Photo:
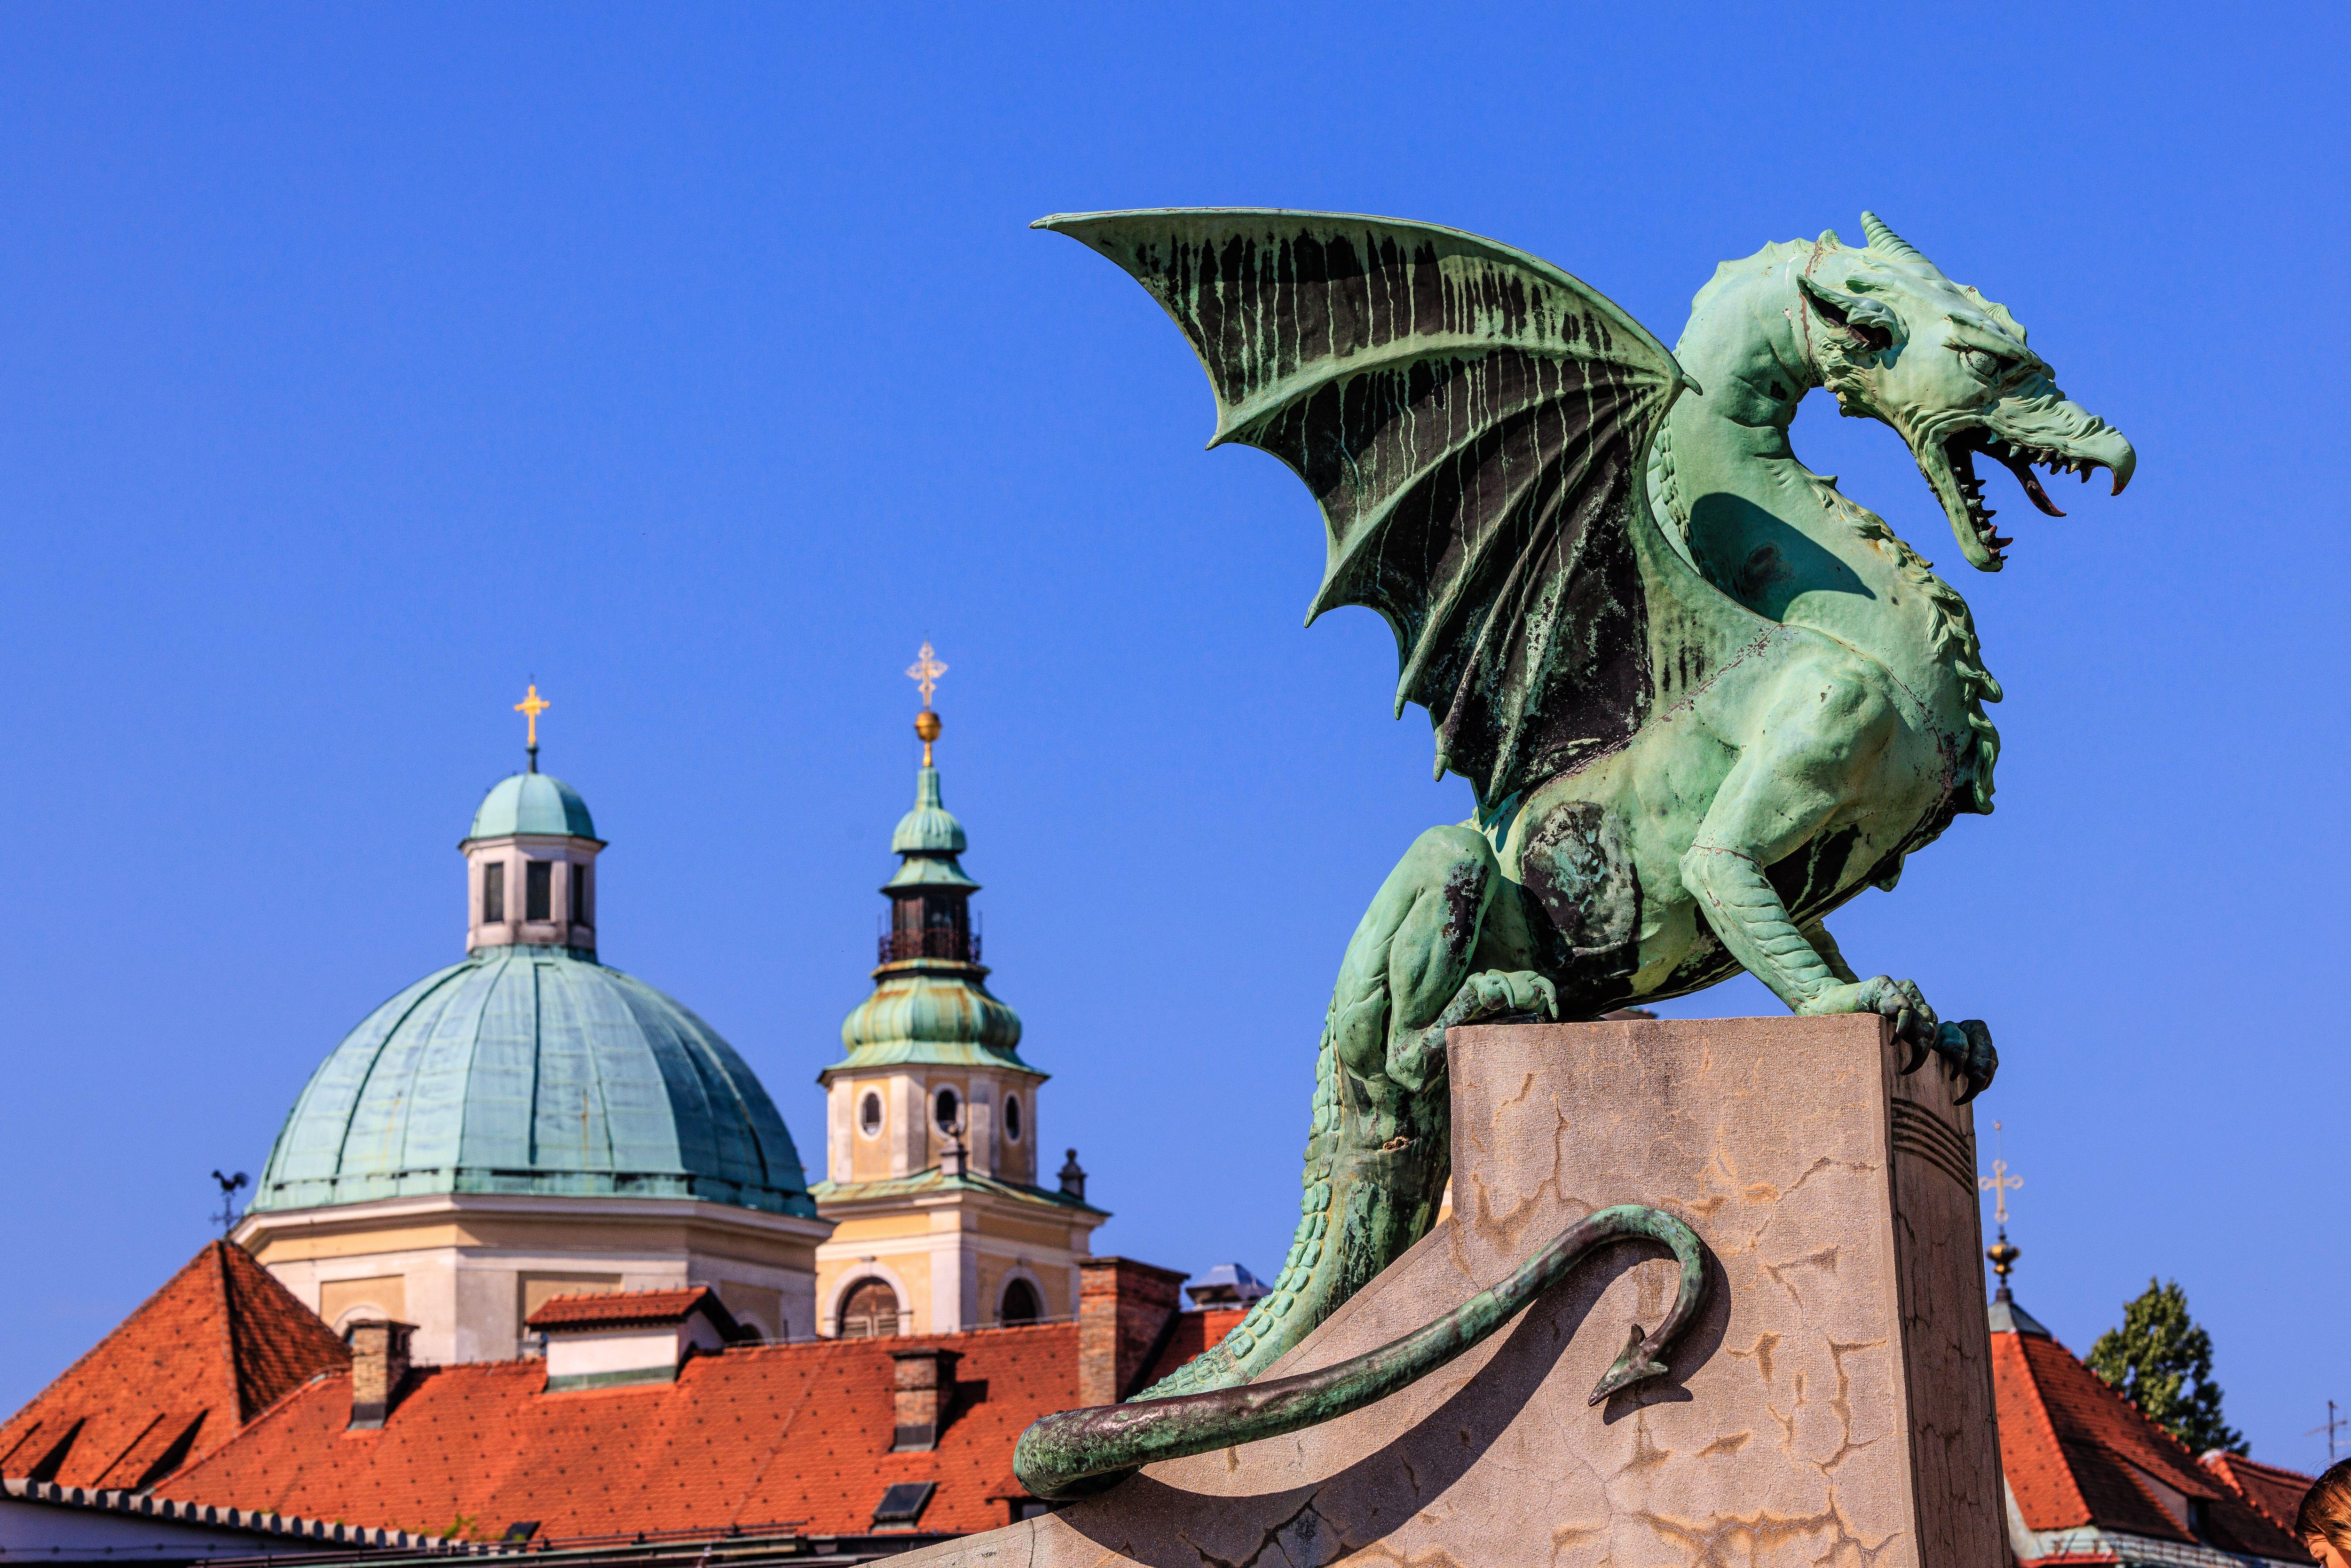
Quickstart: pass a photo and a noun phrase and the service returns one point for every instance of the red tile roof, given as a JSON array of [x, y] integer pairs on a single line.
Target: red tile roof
[[759, 1435], [612, 1309], [219, 1344], [2272, 1491], [2076, 1453]]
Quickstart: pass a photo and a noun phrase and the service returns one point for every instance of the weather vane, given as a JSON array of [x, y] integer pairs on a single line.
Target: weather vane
[[227, 1217], [1999, 1184], [925, 672], [530, 707]]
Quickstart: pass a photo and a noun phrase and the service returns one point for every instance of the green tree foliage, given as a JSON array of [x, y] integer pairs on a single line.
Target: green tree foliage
[[2162, 1363]]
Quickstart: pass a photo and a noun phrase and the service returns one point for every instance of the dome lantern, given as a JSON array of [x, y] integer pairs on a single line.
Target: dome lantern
[[529, 860]]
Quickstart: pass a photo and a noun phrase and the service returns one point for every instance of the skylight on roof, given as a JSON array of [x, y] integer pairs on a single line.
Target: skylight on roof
[[903, 1502]]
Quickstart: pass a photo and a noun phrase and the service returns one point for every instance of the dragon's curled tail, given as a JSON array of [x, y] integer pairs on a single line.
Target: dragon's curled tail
[[1077, 1452]]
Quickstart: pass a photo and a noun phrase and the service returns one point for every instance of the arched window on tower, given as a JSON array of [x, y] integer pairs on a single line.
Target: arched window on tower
[[1012, 1117], [1020, 1303], [494, 892], [949, 1111], [869, 1310], [869, 1114]]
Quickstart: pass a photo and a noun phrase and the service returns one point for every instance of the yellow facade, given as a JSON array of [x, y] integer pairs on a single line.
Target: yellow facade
[[948, 1244]]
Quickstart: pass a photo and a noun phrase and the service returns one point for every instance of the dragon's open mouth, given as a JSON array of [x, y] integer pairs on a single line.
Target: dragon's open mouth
[[2020, 458]]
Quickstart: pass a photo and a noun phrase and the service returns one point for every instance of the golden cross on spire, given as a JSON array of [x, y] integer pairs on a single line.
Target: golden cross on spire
[[1999, 1184], [530, 707], [925, 671]]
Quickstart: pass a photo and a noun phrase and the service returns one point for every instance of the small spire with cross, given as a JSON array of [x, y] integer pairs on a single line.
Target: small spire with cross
[[530, 707], [1999, 1184], [925, 672]]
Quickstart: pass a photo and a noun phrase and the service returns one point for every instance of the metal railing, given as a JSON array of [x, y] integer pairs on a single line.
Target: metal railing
[[939, 942]]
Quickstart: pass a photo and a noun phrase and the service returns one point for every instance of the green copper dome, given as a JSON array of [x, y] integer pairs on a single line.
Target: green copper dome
[[929, 838], [930, 828], [933, 1013], [534, 1069], [532, 804]]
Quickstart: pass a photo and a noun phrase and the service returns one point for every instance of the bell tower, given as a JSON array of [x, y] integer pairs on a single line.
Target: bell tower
[[932, 1125]]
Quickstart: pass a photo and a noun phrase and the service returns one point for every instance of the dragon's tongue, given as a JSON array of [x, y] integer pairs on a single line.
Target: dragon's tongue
[[2030, 480]]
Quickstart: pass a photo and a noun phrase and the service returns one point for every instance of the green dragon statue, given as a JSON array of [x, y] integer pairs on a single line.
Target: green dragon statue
[[1701, 697]]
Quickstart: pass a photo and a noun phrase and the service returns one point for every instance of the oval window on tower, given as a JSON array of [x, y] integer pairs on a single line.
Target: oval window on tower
[[950, 1111], [1012, 1117], [869, 1113]]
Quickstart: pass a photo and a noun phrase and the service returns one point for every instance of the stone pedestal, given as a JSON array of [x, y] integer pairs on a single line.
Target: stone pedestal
[[1832, 1406]]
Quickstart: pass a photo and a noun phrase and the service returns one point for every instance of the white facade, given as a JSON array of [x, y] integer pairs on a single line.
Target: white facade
[[467, 1268]]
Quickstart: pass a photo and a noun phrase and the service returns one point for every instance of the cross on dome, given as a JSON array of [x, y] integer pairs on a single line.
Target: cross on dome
[[530, 707]]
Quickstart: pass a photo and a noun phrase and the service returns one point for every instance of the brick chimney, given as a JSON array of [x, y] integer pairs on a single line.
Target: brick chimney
[[1125, 1310], [379, 1366], [921, 1391]]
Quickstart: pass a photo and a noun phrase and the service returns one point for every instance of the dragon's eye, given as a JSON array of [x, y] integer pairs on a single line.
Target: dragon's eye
[[1991, 367]]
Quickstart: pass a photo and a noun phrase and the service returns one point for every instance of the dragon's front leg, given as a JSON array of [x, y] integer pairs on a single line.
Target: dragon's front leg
[[1816, 749]]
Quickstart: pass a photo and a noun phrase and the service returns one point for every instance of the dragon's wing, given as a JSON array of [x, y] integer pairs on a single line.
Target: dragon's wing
[[1474, 424]]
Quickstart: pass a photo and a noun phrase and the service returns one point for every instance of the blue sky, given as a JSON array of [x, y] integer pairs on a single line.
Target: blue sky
[[358, 364]]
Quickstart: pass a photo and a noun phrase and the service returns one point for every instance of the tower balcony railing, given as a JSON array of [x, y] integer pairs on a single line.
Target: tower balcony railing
[[944, 942]]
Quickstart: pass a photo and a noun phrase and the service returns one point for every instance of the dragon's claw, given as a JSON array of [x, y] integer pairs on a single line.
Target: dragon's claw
[[1493, 991], [1918, 1049], [1967, 1045]]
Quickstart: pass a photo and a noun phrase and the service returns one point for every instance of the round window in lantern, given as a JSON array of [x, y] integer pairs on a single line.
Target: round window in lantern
[[869, 1114], [949, 1111], [1012, 1117]]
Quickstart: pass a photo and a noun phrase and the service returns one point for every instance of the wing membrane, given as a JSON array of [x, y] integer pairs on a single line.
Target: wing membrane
[[1473, 424]]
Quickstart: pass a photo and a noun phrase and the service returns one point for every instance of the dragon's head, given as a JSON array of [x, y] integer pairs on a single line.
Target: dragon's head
[[1894, 340]]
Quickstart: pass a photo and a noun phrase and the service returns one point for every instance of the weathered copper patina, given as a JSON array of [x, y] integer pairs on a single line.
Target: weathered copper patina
[[1078, 1452], [1702, 698]]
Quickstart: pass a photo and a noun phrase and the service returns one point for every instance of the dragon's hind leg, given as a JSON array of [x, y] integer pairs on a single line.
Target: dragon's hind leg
[[1378, 1156]]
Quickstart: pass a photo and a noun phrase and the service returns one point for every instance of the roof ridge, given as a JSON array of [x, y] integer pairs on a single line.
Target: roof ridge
[[275, 1341], [230, 1359], [607, 1296], [2148, 1422], [2223, 1461], [76, 1365]]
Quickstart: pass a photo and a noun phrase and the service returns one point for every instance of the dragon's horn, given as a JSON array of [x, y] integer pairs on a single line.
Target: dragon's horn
[[1892, 244]]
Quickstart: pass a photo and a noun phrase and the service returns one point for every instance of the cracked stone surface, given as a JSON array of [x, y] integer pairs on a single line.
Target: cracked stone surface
[[1833, 1404]]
